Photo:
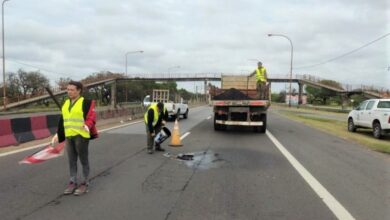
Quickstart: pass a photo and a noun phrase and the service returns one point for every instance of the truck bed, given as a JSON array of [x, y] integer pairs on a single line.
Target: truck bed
[[262, 103], [238, 104], [234, 97]]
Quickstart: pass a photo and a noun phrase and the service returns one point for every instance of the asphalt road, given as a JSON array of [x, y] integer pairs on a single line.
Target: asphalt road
[[235, 174]]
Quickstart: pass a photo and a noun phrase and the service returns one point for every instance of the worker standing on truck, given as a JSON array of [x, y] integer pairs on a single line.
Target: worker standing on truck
[[155, 118], [261, 77]]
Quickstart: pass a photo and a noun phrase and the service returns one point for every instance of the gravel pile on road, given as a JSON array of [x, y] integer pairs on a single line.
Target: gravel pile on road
[[232, 94]]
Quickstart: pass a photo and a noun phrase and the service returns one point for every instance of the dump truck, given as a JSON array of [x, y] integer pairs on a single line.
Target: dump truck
[[238, 103]]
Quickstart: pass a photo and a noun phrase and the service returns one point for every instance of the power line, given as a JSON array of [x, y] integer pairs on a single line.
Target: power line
[[36, 67], [346, 54]]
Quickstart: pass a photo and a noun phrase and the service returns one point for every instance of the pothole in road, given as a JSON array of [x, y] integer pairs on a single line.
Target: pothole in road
[[202, 160]]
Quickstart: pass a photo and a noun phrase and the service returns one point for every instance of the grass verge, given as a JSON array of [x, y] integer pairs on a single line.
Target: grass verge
[[338, 128]]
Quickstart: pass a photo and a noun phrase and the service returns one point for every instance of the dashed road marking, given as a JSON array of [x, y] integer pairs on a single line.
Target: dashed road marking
[[185, 135]]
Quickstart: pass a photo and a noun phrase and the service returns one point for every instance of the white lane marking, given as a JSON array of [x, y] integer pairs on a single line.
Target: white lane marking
[[120, 126], [322, 192], [24, 149], [185, 135], [42, 145], [208, 118]]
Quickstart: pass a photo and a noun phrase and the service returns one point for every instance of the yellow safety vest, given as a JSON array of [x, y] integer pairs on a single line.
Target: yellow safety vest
[[74, 119], [155, 110], [156, 115], [260, 74]]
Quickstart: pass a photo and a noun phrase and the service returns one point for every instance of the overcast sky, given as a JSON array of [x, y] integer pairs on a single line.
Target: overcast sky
[[77, 37]]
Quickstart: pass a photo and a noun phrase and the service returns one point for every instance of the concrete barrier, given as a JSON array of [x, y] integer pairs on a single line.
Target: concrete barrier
[[20, 130], [39, 127], [21, 127], [6, 134], [52, 122]]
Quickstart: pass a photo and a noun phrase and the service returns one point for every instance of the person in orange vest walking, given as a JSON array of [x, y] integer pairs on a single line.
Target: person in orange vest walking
[[155, 117], [261, 78], [76, 127]]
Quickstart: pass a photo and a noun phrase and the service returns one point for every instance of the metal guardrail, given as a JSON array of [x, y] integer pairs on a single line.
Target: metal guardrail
[[345, 87], [44, 95], [176, 76], [371, 90]]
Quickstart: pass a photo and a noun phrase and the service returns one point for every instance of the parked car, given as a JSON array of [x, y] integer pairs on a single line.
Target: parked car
[[175, 109], [372, 113]]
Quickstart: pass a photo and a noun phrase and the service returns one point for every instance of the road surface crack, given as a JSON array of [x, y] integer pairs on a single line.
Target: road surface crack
[[194, 170], [100, 174], [148, 180]]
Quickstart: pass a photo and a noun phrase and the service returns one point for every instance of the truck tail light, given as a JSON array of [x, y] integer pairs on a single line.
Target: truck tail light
[[257, 103], [220, 103], [388, 120]]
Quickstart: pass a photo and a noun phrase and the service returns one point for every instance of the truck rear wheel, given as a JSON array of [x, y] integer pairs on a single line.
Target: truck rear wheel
[[186, 114], [263, 128], [219, 127]]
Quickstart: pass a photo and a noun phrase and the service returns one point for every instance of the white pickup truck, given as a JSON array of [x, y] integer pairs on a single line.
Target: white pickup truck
[[175, 109], [372, 113]]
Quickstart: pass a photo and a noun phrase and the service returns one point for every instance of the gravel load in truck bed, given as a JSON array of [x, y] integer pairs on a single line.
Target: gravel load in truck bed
[[232, 94]]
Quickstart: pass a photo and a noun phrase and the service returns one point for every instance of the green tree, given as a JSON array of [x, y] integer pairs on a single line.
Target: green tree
[[186, 95], [103, 75], [357, 99], [63, 82], [331, 83], [322, 95], [13, 85], [32, 83], [279, 97]]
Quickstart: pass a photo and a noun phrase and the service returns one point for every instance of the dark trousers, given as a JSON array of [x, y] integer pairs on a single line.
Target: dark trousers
[[77, 148], [149, 138], [262, 90]]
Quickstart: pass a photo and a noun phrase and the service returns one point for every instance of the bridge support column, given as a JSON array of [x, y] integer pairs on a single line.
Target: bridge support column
[[205, 91], [300, 93], [269, 91], [344, 101], [113, 94]]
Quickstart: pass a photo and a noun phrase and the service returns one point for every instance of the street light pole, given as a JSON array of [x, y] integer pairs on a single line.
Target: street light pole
[[4, 83], [130, 52], [291, 62]]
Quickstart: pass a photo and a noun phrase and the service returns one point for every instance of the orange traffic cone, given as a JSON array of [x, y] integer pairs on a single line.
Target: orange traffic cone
[[175, 140]]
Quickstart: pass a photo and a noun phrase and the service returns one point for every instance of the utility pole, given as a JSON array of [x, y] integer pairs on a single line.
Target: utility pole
[[4, 83]]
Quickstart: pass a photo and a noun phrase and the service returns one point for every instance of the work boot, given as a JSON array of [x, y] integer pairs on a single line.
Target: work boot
[[70, 189], [159, 148], [83, 188]]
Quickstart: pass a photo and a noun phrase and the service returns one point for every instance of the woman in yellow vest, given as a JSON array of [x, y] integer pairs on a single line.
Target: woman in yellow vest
[[155, 118], [77, 127]]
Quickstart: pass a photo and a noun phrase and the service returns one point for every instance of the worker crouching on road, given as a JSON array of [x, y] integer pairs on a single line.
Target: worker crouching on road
[[155, 117], [77, 126], [261, 78]]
